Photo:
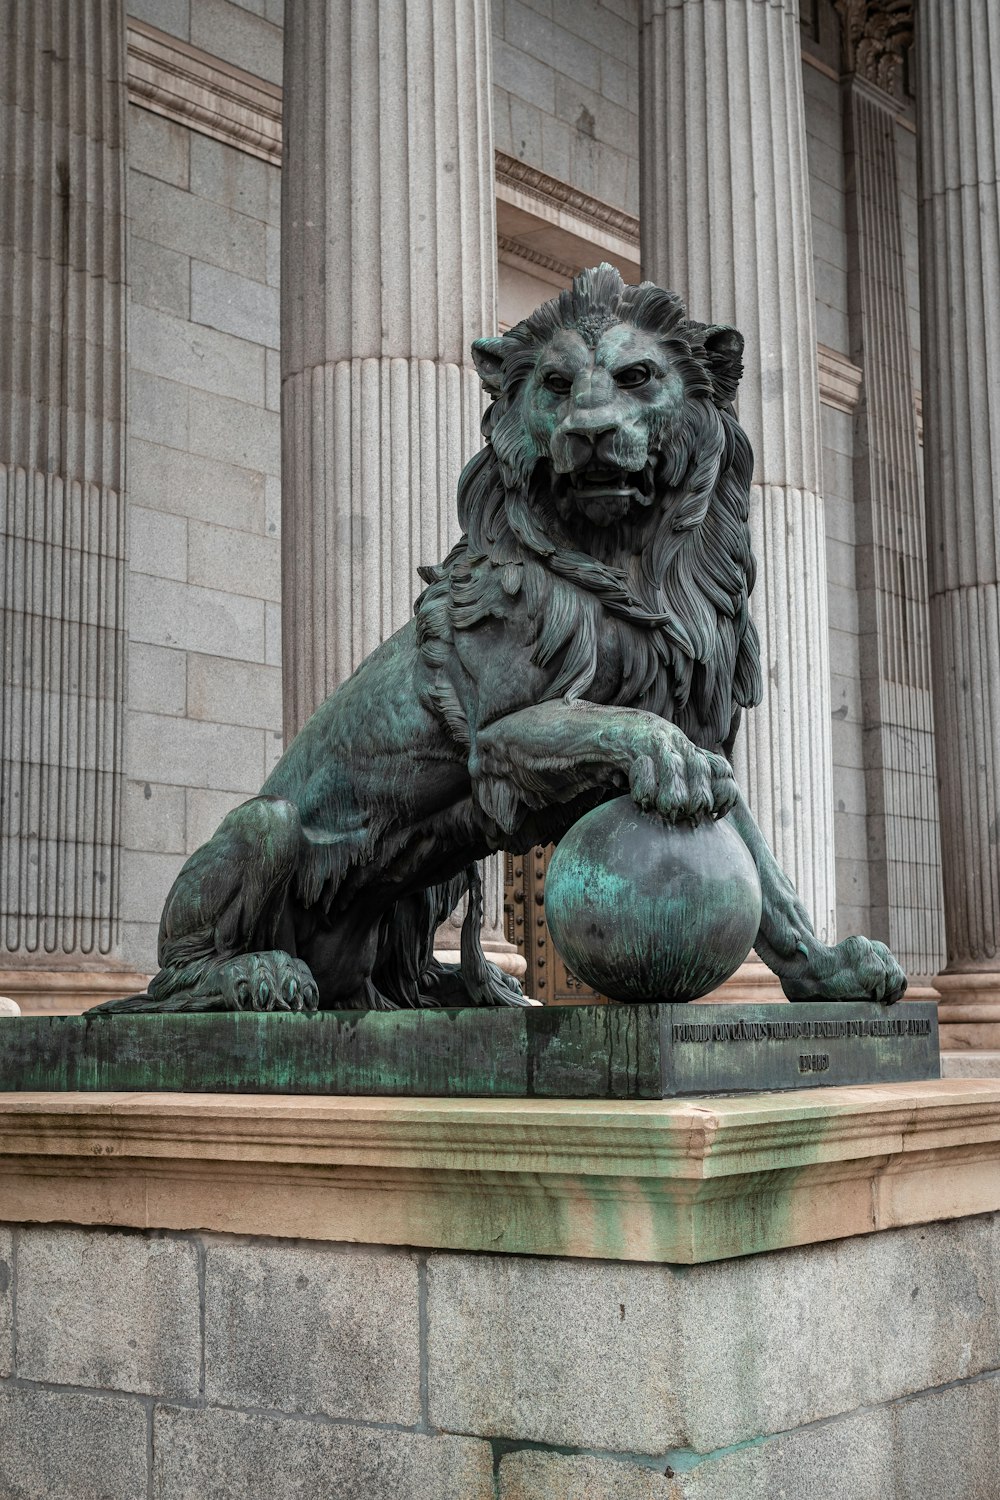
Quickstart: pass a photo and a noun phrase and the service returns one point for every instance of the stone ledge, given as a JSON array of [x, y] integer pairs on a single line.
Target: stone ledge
[[680, 1181]]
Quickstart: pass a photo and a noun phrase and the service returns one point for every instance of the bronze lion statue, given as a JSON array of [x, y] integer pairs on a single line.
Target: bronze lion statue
[[590, 632]]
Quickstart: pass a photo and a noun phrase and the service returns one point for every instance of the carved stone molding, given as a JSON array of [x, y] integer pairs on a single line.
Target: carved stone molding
[[839, 379], [195, 89], [877, 35], [550, 190], [513, 249]]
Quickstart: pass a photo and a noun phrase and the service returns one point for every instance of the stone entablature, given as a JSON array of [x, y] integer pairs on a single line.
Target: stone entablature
[[682, 1181]]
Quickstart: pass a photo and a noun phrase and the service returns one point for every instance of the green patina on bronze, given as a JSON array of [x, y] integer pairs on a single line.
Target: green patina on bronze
[[589, 634], [565, 1052], [647, 910]]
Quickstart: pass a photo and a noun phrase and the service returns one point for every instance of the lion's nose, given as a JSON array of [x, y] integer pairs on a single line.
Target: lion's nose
[[576, 445]]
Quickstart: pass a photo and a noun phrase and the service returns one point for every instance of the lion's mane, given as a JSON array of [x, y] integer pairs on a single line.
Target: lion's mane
[[667, 591]]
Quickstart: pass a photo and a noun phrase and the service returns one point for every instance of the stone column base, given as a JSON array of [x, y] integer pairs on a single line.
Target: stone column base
[[503, 954], [969, 1013], [752, 984], [67, 992]]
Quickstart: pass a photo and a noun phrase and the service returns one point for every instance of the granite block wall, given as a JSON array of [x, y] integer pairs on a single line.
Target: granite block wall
[[179, 1365], [204, 703], [565, 92]]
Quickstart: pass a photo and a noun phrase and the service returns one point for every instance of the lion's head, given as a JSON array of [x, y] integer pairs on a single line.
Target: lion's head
[[608, 397], [612, 496]]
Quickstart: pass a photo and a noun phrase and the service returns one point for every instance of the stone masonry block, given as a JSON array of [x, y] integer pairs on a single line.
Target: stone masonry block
[[157, 679], [159, 277], [173, 16], [235, 180], [158, 147], [849, 1459], [221, 1455], [236, 433], [230, 32], [570, 1352], [775, 1341], [954, 1433], [167, 613], [197, 356], [6, 1264], [204, 812], [71, 1447], [183, 752], [235, 304], [118, 1311], [191, 485], [238, 561], [147, 878], [182, 221], [157, 543], [153, 818], [231, 692], [158, 408], [313, 1330], [601, 26], [527, 77], [531, 1475]]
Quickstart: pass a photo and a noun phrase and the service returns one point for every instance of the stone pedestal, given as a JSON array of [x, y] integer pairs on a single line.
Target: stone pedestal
[[388, 273], [471, 1299], [725, 222], [958, 54], [62, 502]]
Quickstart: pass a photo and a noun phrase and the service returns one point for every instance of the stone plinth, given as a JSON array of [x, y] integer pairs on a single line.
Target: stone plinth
[[675, 1180], [239, 1297]]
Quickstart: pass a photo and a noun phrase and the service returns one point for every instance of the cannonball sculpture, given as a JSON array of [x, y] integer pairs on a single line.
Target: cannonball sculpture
[[646, 910]]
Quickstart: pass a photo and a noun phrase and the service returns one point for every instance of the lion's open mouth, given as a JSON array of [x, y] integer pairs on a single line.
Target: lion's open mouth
[[603, 494]]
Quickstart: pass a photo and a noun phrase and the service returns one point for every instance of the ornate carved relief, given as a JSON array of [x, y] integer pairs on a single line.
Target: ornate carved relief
[[877, 36]]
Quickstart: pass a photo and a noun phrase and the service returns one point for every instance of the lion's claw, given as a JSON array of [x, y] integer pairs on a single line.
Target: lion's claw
[[856, 969], [683, 783], [266, 982]]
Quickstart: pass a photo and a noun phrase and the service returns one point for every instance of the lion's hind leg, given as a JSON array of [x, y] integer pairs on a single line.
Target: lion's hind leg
[[220, 933]]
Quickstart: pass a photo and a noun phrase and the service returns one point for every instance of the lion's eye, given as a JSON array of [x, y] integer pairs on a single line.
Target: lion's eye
[[635, 375], [559, 385]]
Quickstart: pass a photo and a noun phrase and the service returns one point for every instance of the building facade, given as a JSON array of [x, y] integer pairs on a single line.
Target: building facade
[[183, 582]]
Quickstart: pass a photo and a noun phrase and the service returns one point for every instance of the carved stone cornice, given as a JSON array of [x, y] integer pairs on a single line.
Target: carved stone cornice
[[839, 379], [877, 35], [537, 184], [187, 85]]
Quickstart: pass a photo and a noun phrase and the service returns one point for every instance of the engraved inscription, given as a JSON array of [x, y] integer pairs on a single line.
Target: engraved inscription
[[805, 1031], [814, 1062]]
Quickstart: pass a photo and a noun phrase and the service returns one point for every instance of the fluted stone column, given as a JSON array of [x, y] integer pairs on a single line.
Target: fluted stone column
[[904, 857], [62, 524], [958, 51], [388, 273], [725, 222]]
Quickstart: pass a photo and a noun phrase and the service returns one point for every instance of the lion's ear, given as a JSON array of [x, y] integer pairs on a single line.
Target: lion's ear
[[488, 356], [724, 357]]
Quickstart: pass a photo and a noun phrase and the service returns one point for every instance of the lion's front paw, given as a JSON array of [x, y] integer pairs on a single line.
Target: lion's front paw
[[266, 981], [680, 781], [856, 969]]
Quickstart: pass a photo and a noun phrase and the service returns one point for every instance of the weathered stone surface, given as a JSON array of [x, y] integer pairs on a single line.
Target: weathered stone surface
[[954, 1433], [849, 1458], [215, 1455], [313, 1330], [118, 1311], [774, 1341], [71, 1447], [555, 1351], [6, 1263], [644, 1357], [531, 1475]]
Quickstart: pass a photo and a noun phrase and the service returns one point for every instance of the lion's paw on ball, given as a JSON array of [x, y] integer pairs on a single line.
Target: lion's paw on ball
[[645, 910]]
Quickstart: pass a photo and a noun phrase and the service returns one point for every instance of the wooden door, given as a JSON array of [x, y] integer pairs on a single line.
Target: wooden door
[[547, 978]]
